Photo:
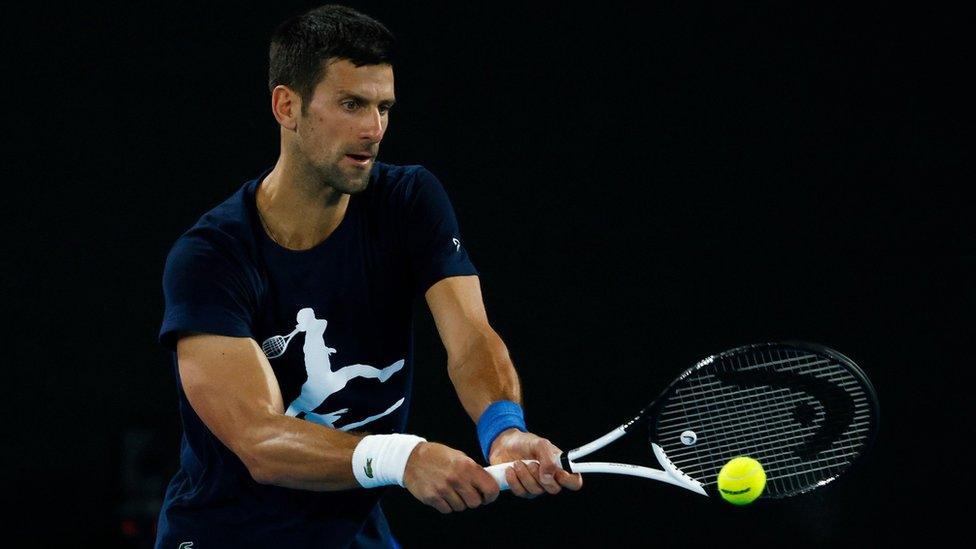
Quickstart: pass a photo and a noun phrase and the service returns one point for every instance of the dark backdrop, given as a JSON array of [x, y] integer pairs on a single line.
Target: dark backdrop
[[639, 187]]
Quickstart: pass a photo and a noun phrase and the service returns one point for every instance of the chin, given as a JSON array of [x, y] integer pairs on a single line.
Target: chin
[[352, 185], [343, 182]]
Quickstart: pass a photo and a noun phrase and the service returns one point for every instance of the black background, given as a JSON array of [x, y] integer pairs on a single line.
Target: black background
[[639, 188]]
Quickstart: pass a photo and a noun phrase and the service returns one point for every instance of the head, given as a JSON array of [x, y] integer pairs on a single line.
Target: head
[[305, 316], [331, 82]]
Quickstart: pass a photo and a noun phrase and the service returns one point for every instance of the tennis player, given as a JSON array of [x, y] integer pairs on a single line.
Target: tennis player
[[288, 308]]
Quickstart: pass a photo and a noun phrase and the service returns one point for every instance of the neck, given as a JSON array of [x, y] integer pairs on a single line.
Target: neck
[[297, 210]]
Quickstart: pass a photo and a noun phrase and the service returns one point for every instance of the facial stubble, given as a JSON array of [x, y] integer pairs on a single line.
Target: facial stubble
[[333, 176]]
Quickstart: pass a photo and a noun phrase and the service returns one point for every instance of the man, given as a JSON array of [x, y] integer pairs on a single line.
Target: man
[[288, 307]]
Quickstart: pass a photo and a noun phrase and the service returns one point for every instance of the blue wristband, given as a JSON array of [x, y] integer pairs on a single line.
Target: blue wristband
[[499, 416]]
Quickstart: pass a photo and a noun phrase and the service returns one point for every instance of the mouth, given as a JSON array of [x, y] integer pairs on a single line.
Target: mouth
[[360, 159]]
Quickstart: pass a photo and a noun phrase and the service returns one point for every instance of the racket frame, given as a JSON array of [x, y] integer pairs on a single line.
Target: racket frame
[[669, 473]]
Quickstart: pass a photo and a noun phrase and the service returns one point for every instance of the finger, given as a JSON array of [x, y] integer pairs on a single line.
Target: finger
[[486, 486], [470, 496], [528, 475], [454, 500], [546, 453], [514, 484], [440, 504], [569, 480]]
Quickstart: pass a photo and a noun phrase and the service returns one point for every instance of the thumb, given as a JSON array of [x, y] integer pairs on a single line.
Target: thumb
[[548, 456]]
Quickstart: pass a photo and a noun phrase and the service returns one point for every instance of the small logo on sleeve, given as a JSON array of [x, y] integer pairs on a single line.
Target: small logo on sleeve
[[186, 545], [457, 244], [369, 467]]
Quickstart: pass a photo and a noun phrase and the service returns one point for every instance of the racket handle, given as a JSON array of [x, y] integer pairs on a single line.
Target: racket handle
[[497, 472]]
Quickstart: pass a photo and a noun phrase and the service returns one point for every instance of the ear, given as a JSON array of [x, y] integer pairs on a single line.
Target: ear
[[286, 106]]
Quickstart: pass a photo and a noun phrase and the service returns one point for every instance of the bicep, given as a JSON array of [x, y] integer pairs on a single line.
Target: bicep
[[230, 385]]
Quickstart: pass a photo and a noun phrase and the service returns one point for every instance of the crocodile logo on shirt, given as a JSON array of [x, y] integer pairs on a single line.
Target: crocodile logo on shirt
[[369, 467], [323, 382]]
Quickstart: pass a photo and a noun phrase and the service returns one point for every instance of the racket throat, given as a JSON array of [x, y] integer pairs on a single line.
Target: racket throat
[[679, 478], [565, 463]]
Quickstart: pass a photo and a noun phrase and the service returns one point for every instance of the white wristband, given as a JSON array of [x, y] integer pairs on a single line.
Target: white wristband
[[379, 460]]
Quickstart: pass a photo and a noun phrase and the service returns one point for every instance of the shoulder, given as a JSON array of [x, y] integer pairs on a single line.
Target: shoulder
[[393, 174], [408, 196], [402, 181], [224, 233]]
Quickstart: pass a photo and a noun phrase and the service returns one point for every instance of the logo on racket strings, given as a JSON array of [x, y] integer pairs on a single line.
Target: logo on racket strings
[[835, 404]]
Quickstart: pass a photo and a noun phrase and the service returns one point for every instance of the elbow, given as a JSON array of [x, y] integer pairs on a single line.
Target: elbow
[[263, 477], [262, 473], [258, 466], [255, 454]]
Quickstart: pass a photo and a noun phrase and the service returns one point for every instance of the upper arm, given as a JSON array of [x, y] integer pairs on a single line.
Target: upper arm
[[434, 243], [208, 287], [231, 387], [459, 313]]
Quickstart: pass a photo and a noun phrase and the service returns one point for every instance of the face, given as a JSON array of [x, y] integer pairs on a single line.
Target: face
[[345, 120]]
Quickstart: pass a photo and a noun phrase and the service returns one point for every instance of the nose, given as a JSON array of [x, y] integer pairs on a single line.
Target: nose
[[373, 126]]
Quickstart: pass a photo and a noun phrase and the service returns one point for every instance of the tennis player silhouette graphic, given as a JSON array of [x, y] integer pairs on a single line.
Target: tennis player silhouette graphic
[[322, 382]]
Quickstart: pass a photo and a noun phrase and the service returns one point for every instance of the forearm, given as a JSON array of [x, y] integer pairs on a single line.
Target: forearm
[[483, 373], [294, 453]]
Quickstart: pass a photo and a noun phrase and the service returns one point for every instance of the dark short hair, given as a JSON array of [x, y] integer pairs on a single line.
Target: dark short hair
[[302, 47]]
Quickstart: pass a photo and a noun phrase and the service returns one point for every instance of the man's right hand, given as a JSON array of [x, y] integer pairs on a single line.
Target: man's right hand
[[447, 479]]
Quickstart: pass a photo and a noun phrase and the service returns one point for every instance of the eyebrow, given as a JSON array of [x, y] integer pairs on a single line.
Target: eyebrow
[[344, 93]]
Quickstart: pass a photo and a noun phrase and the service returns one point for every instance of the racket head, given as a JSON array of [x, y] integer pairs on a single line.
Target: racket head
[[806, 412], [273, 347]]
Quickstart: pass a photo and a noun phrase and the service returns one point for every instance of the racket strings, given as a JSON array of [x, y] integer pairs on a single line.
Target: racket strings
[[672, 418], [719, 388], [760, 443], [762, 420], [743, 437], [273, 347], [774, 461], [774, 421]]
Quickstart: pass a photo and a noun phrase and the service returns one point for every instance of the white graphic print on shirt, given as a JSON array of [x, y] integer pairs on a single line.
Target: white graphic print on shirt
[[322, 382]]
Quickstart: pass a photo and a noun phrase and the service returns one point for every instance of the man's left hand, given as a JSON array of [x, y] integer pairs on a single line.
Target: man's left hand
[[533, 479]]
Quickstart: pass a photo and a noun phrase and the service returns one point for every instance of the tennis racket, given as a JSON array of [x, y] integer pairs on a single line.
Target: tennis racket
[[275, 346], [805, 412]]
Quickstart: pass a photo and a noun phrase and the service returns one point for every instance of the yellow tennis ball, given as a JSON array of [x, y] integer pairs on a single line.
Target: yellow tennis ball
[[741, 480]]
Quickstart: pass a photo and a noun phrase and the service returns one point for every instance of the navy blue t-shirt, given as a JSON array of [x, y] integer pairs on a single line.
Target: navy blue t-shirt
[[335, 322]]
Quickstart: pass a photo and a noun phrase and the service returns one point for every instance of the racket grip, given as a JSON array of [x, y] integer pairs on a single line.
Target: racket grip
[[497, 472]]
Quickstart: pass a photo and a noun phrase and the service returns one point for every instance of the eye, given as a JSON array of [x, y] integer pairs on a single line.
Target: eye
[[350, 104]]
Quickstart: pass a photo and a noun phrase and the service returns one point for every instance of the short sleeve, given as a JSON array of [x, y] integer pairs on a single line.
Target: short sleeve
[[206, 289], [434, 239]]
